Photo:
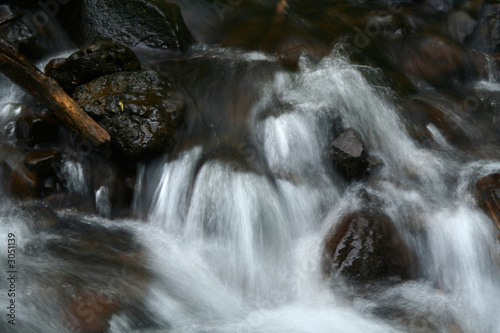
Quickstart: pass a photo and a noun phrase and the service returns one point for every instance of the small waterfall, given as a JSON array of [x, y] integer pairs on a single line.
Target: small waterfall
[[230, 228]]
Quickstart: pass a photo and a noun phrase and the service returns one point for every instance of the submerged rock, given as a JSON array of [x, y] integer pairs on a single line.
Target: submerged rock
[[27, 175], [40, 216], [25, 183], [364, 247], [152, 23], [106, 272], [488, 195], [37, 128], [42, 161], [91, 310], [434, 59], [91, 62], [139, 110], [349, 155], [65, 200]]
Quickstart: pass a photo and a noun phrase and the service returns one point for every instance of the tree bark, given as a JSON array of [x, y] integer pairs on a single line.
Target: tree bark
[[48, 92], [10, 19]]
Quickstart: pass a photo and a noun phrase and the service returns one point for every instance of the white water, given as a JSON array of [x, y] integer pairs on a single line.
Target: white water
[[239, 251]]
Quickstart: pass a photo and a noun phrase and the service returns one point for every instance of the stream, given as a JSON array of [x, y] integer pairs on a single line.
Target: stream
[[227, 230]]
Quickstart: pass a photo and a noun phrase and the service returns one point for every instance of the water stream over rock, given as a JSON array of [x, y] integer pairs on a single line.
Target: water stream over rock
[[227, 231]]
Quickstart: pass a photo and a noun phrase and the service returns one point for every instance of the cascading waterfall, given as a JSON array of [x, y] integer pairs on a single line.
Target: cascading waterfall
[[232, 248], [270, 232]]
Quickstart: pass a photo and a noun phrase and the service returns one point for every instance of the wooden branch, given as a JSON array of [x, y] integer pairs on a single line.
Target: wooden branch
[[10, 18], [48, 92]]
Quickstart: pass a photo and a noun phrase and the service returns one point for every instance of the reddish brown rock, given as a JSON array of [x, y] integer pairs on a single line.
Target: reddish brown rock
[[432, 58], [365, 246], [116, 274], [496, 57], [429, 58], [421, 111], [488, 195], [40, 216], [90, 311], [25, 183], [42, 160]]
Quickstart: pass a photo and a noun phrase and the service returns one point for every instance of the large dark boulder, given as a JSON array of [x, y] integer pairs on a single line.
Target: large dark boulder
[[349, 155], [152, 23], [91, 62], [139, 110], [366, 247]]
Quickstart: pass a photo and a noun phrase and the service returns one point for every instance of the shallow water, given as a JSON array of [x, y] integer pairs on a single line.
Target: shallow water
[[230, 226]]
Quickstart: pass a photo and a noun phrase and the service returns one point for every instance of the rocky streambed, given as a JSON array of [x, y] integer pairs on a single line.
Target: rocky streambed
[[272, 166]]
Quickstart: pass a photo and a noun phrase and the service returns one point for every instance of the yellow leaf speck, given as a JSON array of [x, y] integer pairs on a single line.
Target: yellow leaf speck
[[121, 105]]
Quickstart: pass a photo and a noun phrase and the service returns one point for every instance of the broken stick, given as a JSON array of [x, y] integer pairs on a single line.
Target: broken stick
[[48, 92], [10, 18]]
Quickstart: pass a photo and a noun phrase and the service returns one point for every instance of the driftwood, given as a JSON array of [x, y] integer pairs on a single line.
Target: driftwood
[[10, 18], [48, 92]]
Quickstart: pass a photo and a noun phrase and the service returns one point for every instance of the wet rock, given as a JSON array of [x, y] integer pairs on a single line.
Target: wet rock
[[115, 272], [90, 311], [488, 194], [37, 128], [90, 273], [477, 65], [430, 60], [434, 59], [41, 216], [138, 109], [113, 185], [487, 34], [91, 62], [64, 200], [429, 115], [496, 58], [18, 34], [396, 308], [50, 185], [5, 175], [42, 160], [152, 23], [365, 247], [25, 183], [460, 25], [439, 5], [349, 155]]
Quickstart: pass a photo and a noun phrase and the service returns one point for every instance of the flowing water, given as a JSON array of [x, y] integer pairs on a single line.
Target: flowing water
[[230, 227]]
